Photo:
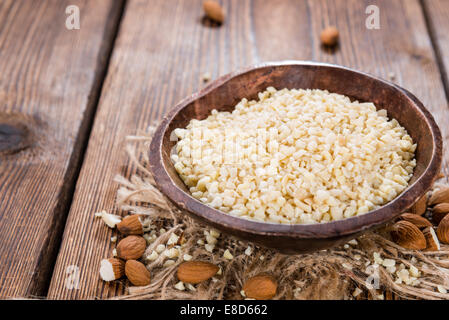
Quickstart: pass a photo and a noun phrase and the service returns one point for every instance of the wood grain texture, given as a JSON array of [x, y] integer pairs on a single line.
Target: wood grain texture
[[48, 82], [437, 14], [164, 47]]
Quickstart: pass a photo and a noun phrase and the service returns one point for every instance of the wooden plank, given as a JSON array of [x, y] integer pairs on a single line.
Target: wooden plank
[[437, 14], [49, 83], [162, 50]]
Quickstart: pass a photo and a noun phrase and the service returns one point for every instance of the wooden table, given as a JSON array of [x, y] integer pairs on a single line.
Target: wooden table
[[69, 97]]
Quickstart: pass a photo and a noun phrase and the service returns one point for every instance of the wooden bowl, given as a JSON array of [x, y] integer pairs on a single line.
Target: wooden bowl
[[224, 93]]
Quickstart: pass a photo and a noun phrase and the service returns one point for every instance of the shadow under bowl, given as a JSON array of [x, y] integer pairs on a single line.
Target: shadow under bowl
[[224, 93]]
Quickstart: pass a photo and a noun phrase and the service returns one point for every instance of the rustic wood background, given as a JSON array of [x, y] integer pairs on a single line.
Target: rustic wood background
[[69, 97]]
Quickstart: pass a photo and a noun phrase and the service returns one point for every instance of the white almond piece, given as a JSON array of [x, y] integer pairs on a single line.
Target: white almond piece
[[391, 269], [243, 293], [200, 242], [209, 247], [206, 76], [107, 270], [377, 258], [171, 253], [111, 220], [210, 239], [114, 252], [187, 257], [114, 239], [160, 248], [347, 266], [173, 239], [353, 242], [153, 256], [414, 272], [227, 255], [190, 286], [403, 274], [441, 289], [388, 263], [168, 263], [180, 286], [248, 251], [214, 233]]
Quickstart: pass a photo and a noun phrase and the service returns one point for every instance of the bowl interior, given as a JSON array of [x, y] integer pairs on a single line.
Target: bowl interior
[[224, 93]]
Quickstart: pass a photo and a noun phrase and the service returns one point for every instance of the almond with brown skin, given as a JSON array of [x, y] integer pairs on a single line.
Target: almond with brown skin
[[418, 221], [131, 225], [329, 36], [137, 273], [260, 287], [214, 11], [431, 239], [408, 236], [196, 271], [443, 230], [439, 212], [439, 196], [112, 269], [420, 206], [131, 247]]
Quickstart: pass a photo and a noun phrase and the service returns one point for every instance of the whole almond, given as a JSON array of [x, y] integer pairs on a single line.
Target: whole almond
[[418, 221], [131, 224], [431, 239], [408, 236], [131, 247], [112, 269], [443, 230], [260, 287], [439, 212], [439, 196], [329, 36], [420, 206], [196, 271], [137, 273], [214, 11]]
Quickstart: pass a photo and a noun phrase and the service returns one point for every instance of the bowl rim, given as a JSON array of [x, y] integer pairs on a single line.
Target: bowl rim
[[342, 227]]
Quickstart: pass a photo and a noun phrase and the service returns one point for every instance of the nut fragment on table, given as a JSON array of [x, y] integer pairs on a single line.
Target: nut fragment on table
[[329, 36], [214, 11], [112, 269]]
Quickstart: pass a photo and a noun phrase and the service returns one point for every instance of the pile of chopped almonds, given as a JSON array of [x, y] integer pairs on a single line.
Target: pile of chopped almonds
[[295, 156]]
